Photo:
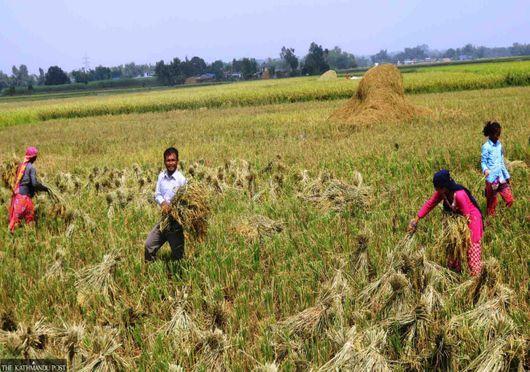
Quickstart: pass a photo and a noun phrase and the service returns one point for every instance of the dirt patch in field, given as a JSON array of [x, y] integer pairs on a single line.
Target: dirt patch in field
[[328, 75], [379, 98]]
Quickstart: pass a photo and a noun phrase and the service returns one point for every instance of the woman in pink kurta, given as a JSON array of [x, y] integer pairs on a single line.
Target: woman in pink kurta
[[456, 199]]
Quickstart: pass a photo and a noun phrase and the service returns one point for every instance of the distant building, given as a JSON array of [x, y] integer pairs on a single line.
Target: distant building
[[464, 57]]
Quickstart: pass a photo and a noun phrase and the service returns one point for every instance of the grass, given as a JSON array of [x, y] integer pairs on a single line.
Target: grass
[[234, 291], [263, 92]]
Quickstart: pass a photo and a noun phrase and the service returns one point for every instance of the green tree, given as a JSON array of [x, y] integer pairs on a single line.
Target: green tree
[[41, 78], [193, 67], [101, 73], [290, 59], [381, 57], [20, 76], [56, 76], [339, 60], [80, 76], [115, 72], [249, 67], [5, 81], [217, 68], [162, 73], [315, 61], [520, 49], [170, 74], [419, 52], [450, 53], [363, 61]]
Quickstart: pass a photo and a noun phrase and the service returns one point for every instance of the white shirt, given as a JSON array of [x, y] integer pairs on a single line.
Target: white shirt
[[167, 185]]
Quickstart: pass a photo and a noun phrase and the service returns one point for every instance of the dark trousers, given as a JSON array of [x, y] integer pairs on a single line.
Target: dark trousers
[[156, 238]]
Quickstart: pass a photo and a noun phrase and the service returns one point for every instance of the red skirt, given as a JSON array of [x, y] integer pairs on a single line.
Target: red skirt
[[21, 208]]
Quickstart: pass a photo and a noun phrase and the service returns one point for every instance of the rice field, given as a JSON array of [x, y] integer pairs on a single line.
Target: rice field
[[434, 79], [305, 263]]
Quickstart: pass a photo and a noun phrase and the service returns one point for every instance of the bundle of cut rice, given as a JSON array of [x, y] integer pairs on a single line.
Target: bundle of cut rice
[[103, 354], [212, 346], [455, 240], [486, 286], [27, 340], [8, 172], [98, 279], [189, 208], [363, 351], [335, 195], [318, 317], [70, 336], [258, 227]]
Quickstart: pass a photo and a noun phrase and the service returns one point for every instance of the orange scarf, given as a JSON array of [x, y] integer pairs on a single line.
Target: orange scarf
[[20, 173]]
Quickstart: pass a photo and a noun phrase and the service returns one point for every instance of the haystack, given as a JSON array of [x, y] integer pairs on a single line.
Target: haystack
[[266, 74], [328, 75], [379, 98]]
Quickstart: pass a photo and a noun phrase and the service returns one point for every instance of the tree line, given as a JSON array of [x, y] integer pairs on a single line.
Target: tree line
[[20, 77], [316, 61], [467, 52]]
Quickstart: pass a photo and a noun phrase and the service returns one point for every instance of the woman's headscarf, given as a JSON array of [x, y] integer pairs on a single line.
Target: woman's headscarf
[[442, 179], [31, 152]]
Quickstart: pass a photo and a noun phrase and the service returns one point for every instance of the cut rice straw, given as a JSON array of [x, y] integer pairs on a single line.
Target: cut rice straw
[[190, 209]]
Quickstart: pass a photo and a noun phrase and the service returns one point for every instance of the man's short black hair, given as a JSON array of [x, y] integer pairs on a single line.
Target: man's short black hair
[[169, 151]]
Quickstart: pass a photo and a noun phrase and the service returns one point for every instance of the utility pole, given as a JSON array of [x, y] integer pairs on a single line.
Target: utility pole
[[86, 63]]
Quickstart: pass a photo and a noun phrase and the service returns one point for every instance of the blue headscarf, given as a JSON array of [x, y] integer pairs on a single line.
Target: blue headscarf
[[442, 179]]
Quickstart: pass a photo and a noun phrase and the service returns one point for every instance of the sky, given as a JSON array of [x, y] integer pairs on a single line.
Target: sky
[[112, 32]]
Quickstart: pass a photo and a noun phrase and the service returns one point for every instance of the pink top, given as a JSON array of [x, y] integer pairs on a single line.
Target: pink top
[[461, 204]]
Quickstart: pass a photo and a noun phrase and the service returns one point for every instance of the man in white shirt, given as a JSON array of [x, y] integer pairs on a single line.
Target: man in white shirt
[[168, 183]]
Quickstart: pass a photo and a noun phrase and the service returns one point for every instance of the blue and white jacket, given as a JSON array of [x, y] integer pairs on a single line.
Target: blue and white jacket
[[493, 160]]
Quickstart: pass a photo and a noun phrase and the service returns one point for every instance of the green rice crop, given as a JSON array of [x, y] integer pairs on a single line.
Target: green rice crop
[[226, 303], [264, 92]]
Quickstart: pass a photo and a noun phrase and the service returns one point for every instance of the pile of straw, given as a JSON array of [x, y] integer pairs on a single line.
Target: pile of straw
[[70, 337], [56, 269], [103, 353], [432, 318], [318, 318], [211, 347], [8, 173], [328, 75], [180, 325], [189, 208], [489, 284], [28, 341], [258, 227], [98, 279], [235, 174], [380, 97], [333, 194], [66, 182], [362, 351]]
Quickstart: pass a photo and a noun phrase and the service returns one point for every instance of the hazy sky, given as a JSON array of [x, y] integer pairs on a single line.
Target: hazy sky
[[40, 33]]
